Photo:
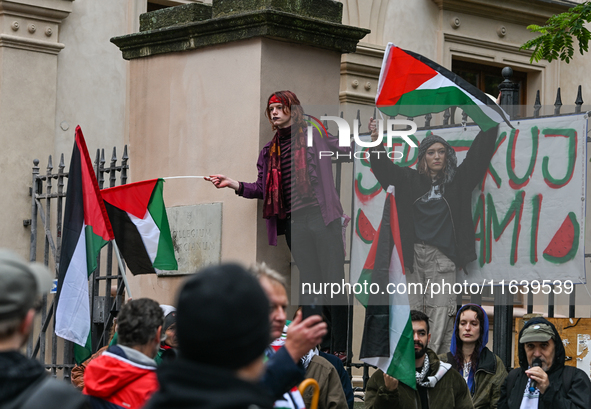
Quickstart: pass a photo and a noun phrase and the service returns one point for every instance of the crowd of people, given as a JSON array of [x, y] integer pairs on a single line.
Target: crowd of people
[[231, 346], [228, 343]]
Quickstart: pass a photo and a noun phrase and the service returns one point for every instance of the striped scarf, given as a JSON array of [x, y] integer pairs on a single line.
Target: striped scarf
[[274, 204]]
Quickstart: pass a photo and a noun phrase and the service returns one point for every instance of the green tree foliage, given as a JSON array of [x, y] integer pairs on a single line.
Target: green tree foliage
[[556, 37]]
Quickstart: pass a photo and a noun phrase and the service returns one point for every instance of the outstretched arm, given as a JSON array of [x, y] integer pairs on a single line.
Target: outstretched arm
[[385, 171]]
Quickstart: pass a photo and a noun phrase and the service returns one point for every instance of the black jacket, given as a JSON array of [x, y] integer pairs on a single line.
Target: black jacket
[[556, 396], [186, 384], [25, 384], [410, 186]]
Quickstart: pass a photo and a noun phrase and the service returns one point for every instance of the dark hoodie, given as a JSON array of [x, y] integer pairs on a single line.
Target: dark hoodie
[[21, 379], [556, 396], [410, 186], [187, 384], [486, 379]]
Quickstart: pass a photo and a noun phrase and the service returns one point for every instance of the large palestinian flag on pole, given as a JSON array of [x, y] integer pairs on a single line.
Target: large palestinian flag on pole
[[388, 341], [413, 85], [140, 225], [86, 230]]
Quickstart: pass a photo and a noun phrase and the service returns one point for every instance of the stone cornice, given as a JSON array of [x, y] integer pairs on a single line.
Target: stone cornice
[[33, 24], [359, 74], [489, 45], [30, 44], [261, 23], [523, 12], [47, 10]]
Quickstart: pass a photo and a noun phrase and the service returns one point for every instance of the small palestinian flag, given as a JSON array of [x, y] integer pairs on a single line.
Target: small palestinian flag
[[413, 85], [86, 230], [140, 225], [388, 340]]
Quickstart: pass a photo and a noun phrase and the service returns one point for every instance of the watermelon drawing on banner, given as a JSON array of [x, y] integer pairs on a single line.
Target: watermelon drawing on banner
[[363, 228], [366, 194], [565, 243]]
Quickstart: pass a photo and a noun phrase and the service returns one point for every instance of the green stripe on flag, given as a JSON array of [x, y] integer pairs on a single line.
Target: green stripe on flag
[[82, 353], [425, 101], [94, 243], [402, 366], [365, 281], [165, 259]]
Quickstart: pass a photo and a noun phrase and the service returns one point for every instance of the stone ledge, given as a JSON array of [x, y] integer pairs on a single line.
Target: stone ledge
[[328, 10], [267, 23], [174, 16]]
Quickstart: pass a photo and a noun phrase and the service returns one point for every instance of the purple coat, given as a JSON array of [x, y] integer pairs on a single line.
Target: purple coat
[[324, 189]]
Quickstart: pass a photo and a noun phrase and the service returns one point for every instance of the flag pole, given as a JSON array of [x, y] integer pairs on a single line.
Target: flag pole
[[122, 269], [184, 177]]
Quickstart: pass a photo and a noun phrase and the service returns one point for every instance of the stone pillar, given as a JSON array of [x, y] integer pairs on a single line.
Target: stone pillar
[[29, 44], [200, 77]]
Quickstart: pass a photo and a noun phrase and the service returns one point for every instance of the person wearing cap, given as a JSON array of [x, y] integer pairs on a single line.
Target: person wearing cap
[[542, 380], [483, 371], [124, 376], [24, 382], [300, 200], [169, 344], [222, 331], [434, 203]]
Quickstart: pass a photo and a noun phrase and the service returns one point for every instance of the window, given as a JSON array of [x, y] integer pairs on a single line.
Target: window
[[487, 78]]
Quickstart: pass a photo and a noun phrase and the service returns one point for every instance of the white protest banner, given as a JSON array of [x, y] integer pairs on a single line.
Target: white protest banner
[[529, 211]]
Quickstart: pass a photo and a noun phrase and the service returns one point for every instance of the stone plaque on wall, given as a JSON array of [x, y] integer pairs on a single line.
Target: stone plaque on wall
[[196, 235]]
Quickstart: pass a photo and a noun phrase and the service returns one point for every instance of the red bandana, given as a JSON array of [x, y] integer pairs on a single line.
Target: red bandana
[[275, 100]]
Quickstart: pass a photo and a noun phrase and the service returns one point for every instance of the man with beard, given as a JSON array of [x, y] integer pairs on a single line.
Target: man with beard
[[542, 380], [437, 386]]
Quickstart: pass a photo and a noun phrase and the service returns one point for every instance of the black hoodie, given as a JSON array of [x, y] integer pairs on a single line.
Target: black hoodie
[[24, 383], [556, 396], [187, 384]]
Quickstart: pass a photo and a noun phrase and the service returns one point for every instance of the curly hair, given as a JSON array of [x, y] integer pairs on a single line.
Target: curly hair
[[138, 322], [291, 105], [459, 356]]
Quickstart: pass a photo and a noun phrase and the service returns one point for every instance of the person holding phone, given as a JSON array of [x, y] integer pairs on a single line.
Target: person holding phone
[[301, 202], [434, 204]]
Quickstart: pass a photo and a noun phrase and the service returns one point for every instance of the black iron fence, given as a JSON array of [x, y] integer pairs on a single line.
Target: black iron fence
[[47, 204]]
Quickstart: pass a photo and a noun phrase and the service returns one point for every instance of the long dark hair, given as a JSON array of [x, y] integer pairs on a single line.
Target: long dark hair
[[459, 355]]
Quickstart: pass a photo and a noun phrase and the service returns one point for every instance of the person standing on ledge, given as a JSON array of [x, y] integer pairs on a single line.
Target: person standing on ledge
[[436, 228], [300, 201]]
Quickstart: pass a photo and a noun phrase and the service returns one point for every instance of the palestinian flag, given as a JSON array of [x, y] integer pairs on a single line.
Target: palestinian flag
[[86, 230], [388, 341], [413, 85], [140, 224]]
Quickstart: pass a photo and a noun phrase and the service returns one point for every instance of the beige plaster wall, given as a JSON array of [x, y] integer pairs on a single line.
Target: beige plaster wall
[[201, 112], [92, 76], [27, 106]]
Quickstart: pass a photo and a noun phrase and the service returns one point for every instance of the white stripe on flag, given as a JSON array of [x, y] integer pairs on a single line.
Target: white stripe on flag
[[73, 311], [149, 231]]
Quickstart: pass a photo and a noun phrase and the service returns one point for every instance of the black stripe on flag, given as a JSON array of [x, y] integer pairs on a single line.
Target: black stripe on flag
[[376, 331], [73, 217], [460, 82], [129, 241]]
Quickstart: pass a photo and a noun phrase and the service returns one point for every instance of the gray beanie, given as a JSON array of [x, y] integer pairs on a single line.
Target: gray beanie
[[450, 156]]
